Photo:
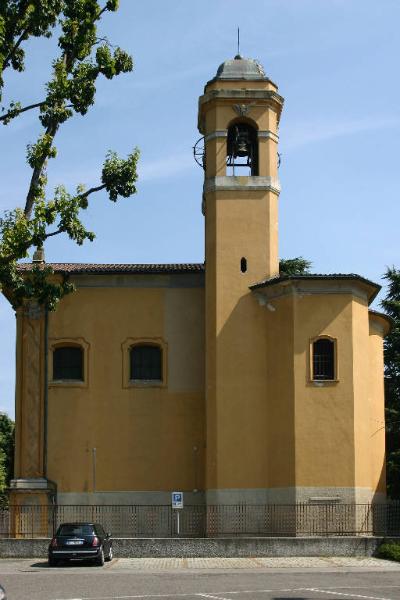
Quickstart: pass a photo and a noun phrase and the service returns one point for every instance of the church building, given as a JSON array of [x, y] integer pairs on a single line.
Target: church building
[[224, 380]]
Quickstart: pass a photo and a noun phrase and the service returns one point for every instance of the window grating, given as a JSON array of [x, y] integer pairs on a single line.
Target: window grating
[[146, 363], [323, 360], [68, 363]]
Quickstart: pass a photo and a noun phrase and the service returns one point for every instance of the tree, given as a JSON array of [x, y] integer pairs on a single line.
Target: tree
[[294, 266], [6, 454], [83, 57], [391, 305]]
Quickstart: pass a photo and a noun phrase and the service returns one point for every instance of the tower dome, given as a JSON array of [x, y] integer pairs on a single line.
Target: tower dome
[[240, 68]]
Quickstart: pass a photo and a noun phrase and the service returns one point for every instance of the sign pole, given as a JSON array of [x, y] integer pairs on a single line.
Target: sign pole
[[177, 504]]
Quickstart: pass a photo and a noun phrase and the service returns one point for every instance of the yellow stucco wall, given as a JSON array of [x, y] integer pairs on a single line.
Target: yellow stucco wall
[[324, 431], [236, 341], [377, 403], [324, 435], [278, 328], [146, 438], [29, 393]]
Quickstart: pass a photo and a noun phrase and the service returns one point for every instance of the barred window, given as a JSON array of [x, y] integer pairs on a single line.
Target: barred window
[[146, 363], [68, 363], [323, 359]]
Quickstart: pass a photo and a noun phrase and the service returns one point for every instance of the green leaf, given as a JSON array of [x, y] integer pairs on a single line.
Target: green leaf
[[120, 175], [294, 266]]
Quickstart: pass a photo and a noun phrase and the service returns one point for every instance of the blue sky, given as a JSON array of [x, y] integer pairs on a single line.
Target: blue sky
[[336, 62]]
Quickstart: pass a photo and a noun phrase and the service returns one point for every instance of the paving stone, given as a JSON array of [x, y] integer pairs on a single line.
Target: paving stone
[[165, 564]]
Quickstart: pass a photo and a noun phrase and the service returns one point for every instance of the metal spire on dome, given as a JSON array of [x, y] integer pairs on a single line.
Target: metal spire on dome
[[238, 55]]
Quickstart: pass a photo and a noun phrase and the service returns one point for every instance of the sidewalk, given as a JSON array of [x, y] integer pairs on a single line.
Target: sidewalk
[[167, 564]]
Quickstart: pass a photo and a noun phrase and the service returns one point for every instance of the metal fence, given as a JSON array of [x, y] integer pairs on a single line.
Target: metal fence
[[267, 520]]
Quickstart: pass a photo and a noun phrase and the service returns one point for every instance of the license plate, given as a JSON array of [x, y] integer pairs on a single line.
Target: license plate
[[74, 542]]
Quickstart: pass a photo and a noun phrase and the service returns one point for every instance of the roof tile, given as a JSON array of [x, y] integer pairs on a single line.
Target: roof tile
[[121, 268]]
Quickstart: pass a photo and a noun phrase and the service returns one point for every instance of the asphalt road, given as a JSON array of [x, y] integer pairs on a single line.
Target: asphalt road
[[194, 579]]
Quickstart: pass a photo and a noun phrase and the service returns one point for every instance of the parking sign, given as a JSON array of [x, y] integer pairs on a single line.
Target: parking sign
[[177, 499]]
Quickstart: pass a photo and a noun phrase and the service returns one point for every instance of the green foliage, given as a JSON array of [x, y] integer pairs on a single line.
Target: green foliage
[[294, 266], [42, 150], [391, 305], [389, 550], [20, 20], [6, 454], [71, 90], [14, 110], [119, 176]]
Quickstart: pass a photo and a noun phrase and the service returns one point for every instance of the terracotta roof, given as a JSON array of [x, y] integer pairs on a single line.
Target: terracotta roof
[[99, 268], [319, 276]]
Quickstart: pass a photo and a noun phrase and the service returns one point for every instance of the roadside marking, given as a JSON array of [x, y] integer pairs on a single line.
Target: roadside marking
[[192, 594], [230, 593], [135, 596], [344, 594], [181, 595], [214, 597]]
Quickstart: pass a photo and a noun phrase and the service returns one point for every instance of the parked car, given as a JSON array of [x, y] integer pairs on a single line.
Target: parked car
[[80, 541]]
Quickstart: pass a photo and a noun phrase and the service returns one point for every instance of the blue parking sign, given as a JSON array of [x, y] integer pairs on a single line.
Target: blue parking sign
[[177, 499]]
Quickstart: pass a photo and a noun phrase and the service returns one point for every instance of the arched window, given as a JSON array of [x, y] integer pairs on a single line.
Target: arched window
[[323, 360], [68, 363], [242, 150], [146, 363]]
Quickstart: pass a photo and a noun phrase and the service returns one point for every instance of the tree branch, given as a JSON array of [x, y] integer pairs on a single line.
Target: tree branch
[[14, 48], [37, 172], [52, 233], [92, 190], [68, 60], [28, 244], [103, 10], [21, 110], [14, 22]]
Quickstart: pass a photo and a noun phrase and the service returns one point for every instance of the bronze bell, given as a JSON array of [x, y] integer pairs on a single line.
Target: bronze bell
[[242, 143]]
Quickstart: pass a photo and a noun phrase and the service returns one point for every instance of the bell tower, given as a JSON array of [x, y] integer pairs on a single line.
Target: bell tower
[[238, 116]]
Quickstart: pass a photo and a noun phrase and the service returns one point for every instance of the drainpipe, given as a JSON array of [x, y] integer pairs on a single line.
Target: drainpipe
[[46, 390], [38, 259]]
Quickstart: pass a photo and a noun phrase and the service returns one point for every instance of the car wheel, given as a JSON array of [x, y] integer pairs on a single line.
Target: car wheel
[[100, 558], [53, 562], [110, 555]]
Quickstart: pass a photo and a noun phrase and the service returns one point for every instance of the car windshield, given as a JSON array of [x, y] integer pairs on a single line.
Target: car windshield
[[75, 530]]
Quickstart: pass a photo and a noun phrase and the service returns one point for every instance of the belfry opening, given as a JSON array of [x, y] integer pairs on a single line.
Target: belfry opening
[[242, 150]]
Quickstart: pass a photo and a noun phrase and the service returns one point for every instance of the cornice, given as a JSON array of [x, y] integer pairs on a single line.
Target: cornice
[[266, 95], [381, 322], [245, 184], [353, 285], [219, 133], [223, 133], [268, 134]]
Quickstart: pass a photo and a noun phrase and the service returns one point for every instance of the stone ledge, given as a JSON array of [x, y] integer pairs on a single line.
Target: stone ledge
[[212, 547], [242, 184], [33, 483]]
